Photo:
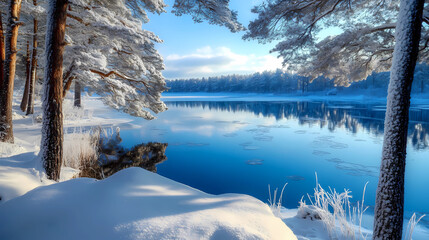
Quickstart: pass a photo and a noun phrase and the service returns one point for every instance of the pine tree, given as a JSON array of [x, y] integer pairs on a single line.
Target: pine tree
[[389, 206], [52, 129], [6, 87], [352, 55], [33, 66], [2, 50], [24, 100]]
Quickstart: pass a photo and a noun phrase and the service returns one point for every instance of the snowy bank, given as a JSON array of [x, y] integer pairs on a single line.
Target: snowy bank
[[19, 165], [136, 204], [131, 204]]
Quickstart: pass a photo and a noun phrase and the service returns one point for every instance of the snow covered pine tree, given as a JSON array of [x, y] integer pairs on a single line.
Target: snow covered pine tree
[[389, 205], [52, 129], [92, 54], [358, 50]]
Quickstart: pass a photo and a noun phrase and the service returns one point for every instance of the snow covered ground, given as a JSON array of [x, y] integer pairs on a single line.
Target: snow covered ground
[[131, 204], [136, 204]]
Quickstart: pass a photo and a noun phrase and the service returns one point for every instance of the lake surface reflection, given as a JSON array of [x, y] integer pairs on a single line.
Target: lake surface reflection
[[242, 146]]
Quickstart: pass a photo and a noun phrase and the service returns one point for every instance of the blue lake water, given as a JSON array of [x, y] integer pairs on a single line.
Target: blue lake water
[[234, 146]]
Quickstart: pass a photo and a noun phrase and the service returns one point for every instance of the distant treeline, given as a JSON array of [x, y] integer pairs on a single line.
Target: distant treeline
[[281, 82]]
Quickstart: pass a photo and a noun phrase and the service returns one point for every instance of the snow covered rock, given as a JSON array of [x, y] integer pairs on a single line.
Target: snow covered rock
[[308, 212], [136, 204]]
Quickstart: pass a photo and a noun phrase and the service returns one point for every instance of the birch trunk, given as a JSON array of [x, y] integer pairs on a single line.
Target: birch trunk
[[389, 206]]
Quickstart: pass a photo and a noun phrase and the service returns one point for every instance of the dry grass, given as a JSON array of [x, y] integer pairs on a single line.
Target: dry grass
[[273, 203], [81, 149], [412, 223], [337, 213]]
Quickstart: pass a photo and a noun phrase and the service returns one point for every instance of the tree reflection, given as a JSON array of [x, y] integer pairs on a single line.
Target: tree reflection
[[354, 117], [114, 157]]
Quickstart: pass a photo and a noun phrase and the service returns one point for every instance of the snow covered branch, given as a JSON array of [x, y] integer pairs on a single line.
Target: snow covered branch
[[214, 11], [361, 43]]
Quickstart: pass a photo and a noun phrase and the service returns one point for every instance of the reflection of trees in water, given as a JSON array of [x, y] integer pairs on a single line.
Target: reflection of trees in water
[[419, 137], [353, 117], [114, 157]]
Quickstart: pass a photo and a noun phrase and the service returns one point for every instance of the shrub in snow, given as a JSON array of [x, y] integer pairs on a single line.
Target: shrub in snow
[[336, 212], [81, 148], [308, 212]]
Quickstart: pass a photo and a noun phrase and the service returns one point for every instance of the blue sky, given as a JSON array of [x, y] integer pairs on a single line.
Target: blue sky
[[202, 50]]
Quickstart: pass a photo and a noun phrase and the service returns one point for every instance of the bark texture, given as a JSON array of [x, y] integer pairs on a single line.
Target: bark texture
[[389, 207], [33, 71], [24, 100], [77, 94], [52, 129], [6, 88], [2, 51]]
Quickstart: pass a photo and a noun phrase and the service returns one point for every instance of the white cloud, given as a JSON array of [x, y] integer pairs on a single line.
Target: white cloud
[[208, 61]]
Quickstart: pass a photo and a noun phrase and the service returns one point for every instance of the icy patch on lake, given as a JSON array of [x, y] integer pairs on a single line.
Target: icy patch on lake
[[190, 144], [230, 135], [327, 142], [249, 146], [300, 132], [295, 178], [255, 162], [263, 138], [354, 169], [320, 153]]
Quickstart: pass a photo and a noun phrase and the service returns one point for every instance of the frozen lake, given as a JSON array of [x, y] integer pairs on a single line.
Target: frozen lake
[[238, 145]]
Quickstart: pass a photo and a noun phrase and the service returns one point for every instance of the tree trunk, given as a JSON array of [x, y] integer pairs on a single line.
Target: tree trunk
[[2, 52], [6, 89], [389, 206], [30, 107], [68, 85], [77, 94], [52, 129], [24, 100]]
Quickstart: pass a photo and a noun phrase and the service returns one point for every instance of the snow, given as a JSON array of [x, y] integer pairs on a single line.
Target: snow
[[19, 165], [18, 175], [131, 204], [136, 204]]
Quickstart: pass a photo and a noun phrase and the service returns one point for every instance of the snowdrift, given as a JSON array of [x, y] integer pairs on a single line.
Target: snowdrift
[[136, 204]]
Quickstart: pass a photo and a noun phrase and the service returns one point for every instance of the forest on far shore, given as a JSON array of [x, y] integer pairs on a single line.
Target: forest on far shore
[[281, 82]]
